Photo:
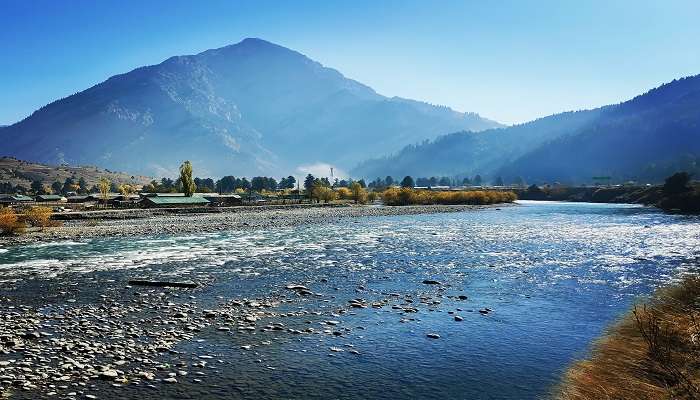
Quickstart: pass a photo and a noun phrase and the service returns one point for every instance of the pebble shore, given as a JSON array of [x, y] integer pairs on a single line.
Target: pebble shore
[[231, 218], [89, 336]]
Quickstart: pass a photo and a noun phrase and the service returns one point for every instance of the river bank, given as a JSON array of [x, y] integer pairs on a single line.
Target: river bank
[[650, 354], [684, 203], [140, 222]]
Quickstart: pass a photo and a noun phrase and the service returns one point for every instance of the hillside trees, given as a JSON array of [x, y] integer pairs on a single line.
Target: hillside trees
[[677, 183]]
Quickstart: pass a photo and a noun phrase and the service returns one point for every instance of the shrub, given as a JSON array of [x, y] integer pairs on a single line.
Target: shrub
[[9, 222], [344, 193], [359, 194], [408, 196], [323, 193], [39, 217], [372, 196]]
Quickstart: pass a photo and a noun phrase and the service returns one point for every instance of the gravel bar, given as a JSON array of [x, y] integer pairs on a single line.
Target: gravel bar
[[261, 217]]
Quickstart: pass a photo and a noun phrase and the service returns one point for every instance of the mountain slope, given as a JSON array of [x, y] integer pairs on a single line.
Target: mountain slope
[[17, 172], [249, 108], [474, 153], [645, 138]]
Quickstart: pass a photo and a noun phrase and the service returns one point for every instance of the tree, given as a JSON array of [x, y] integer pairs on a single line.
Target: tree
[[82, 185], [288, 182], [188, 186], [9, 221], [126, 190], [324, 193], [477, 180], [388, 180], [466, 181], [104, 187], [37, 186], [499, 181], [69, 185], [309, 185], [445, 181], [359, 194], [677, 183], [205, 185], [519, 181], [57, 187], [257, 183], [407, 182]]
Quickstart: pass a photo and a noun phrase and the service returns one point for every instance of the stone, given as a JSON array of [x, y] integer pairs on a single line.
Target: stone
[[109, 374]]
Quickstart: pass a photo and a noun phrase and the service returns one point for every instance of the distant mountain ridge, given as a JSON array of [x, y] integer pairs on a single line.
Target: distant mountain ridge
[[646, 138], [244, 109]]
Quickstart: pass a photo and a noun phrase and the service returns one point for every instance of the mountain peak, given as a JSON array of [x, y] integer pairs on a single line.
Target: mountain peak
[[248, 108]]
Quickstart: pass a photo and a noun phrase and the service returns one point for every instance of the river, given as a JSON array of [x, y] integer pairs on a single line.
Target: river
[[548, 278]]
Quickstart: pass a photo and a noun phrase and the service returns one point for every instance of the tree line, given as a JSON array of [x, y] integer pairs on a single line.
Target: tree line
[[410, 182]]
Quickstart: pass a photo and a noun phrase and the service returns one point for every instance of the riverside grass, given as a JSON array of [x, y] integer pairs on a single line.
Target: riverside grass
[[653, 353], [408, 196]]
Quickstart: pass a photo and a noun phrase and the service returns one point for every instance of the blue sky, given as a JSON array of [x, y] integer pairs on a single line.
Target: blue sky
[[508, 60]]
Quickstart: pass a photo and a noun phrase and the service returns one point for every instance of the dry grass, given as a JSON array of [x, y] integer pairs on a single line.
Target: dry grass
[[406, 196], [653, 353]]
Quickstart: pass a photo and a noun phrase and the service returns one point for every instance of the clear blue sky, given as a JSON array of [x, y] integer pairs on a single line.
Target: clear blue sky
[[508, 60]]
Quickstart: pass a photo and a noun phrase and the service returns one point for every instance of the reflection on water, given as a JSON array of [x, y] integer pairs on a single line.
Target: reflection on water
[[554, 274]]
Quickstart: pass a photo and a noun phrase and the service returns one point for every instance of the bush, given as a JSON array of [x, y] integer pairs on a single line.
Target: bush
[[408, 196], [344, 193], [39, 217], [371, 196], [323, 193], [358, 193], [9, 222]]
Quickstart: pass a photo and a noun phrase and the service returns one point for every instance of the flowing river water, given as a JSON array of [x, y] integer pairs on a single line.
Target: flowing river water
[[538, 283]]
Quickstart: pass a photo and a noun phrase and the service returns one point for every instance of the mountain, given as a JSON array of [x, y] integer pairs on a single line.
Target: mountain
[[245, 109], [646, 138]]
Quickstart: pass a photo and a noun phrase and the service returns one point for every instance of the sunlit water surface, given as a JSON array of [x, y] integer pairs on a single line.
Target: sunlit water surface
[[554, 274]]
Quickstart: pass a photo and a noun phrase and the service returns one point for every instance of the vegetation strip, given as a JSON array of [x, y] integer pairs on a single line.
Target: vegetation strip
[[653, 353]]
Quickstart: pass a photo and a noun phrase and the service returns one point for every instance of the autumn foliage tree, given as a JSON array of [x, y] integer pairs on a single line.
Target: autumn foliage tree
[[188, 186], [9, 221], [104, 187], [359, 194]]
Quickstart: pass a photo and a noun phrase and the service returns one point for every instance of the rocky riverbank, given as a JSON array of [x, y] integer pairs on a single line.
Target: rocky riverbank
[[159, 222], [98, 338]]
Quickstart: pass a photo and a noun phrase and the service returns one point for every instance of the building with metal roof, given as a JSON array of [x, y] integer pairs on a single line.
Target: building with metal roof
[[9, 199], [50, 197], [173, 201]]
